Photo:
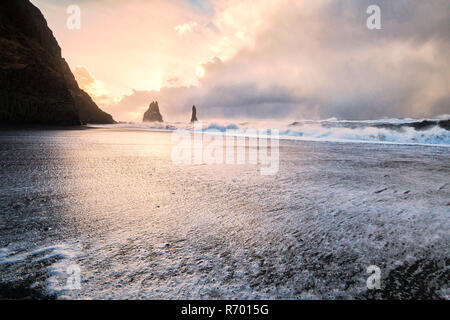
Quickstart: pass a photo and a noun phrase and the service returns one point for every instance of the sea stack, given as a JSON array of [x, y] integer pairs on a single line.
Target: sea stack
[[153, 114], [194, 114]]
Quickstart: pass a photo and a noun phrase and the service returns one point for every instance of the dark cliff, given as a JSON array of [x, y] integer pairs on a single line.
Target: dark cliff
[[36, 83]]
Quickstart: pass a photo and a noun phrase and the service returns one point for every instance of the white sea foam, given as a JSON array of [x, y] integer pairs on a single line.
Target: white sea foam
[[9, 257], [61, 258], [331, 130], [432, 136]]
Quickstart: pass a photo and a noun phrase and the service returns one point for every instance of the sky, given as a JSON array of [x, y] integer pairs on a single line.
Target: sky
[[259, 59]]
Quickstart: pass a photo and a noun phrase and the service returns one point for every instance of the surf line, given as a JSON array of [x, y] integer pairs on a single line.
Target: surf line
[[233, 146]]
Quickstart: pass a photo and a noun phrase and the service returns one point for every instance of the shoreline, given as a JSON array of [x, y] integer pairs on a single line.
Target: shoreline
[[32, 127], [9, 127]]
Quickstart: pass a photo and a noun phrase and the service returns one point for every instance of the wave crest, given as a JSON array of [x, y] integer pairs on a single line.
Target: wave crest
[[400, 131]]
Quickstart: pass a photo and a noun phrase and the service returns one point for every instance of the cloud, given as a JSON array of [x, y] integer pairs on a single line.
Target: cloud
[[317, 59], [87, 82], [185, 28]]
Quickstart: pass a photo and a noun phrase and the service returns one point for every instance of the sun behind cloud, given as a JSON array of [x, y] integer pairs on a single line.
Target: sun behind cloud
[[299, 58]]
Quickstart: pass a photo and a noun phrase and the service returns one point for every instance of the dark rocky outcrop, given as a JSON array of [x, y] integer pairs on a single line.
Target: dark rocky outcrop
[[153, 114], [194, 114], [36, 84], [416, 125], [428, 124], [445, 124]]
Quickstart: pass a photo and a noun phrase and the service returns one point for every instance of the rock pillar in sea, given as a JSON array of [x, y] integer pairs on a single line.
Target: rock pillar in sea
[[194, 114], [153, 114]]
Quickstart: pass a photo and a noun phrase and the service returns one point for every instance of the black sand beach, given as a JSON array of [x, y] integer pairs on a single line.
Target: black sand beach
[[112, 203]]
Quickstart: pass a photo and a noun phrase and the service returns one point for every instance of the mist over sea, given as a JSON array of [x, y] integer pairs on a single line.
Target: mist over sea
[[108, 204]]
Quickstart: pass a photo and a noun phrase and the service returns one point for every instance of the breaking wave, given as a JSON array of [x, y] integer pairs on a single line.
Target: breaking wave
[[397, 131]]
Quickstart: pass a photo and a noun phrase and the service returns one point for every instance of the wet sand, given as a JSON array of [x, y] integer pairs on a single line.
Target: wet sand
[[140, 227]]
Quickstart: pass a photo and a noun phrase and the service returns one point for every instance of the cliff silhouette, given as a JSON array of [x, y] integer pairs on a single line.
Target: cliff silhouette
[[36, 83]]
